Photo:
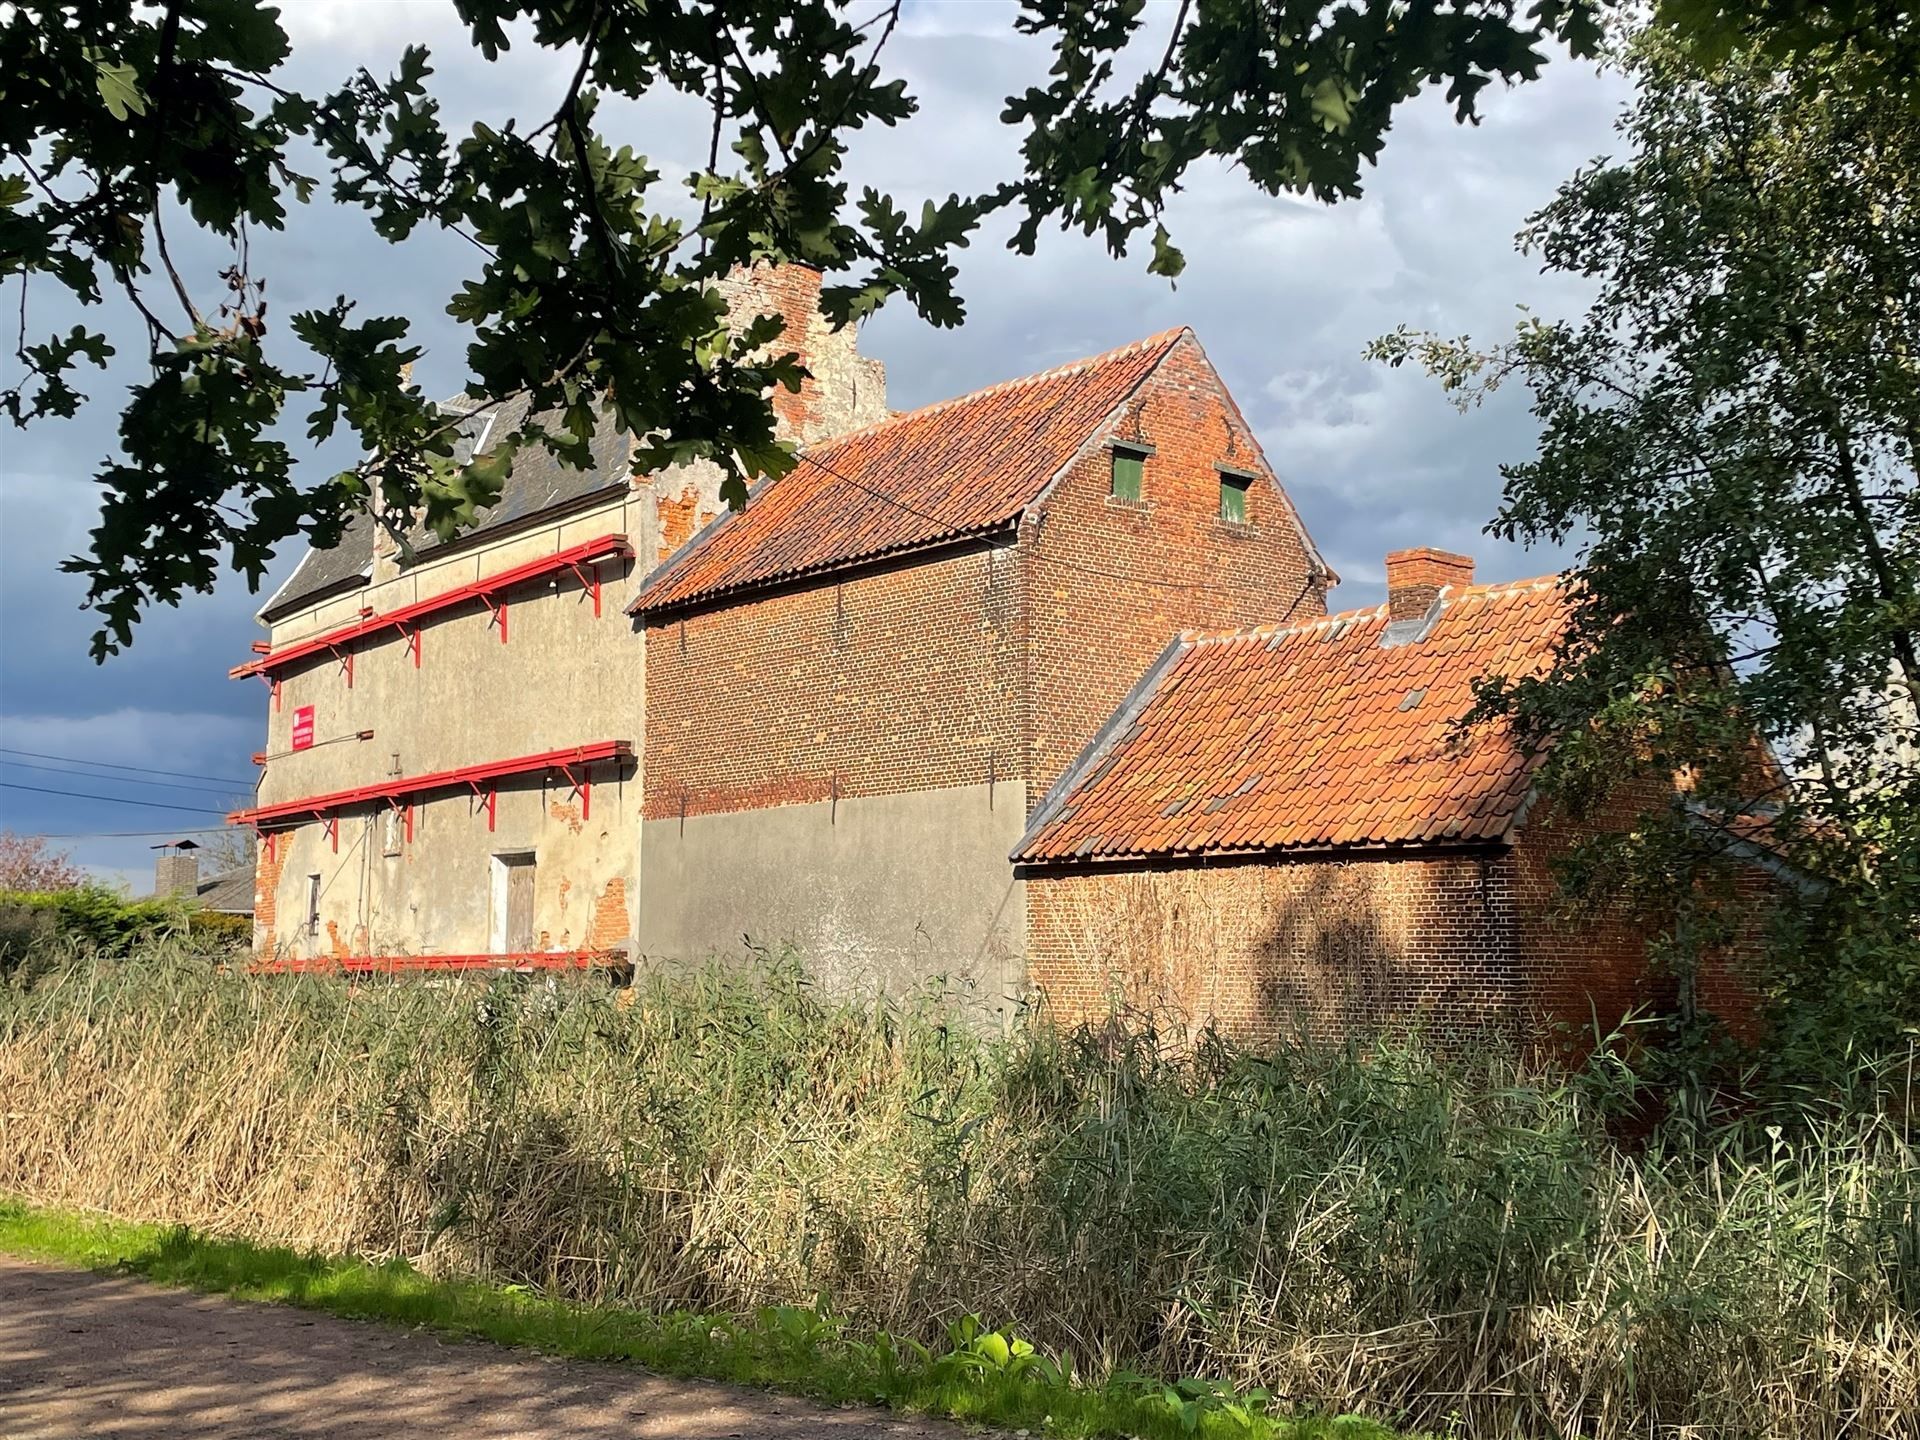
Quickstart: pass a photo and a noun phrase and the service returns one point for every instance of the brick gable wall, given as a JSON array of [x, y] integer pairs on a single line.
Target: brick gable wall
[[1108, 583]]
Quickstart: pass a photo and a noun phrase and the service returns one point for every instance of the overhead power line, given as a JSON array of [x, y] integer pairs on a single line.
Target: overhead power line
[[127, 779], [130, 834], [136, 769], [110, 799]]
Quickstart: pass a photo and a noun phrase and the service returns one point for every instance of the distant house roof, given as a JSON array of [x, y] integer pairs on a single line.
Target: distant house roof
[[230, 892], [539, 483], [963, 467], [1329, 734]]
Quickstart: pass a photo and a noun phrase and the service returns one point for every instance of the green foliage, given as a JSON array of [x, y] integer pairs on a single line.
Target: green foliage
[[47, 924], [804, 1351], [1730, 435], [119, 120], [1384, 1229]]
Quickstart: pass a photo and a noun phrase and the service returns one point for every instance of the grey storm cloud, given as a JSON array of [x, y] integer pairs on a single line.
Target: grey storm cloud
[[1283, 293]]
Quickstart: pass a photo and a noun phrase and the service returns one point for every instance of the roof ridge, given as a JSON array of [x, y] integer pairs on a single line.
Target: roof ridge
[[1065, 367], [1506, 587], [1271, 630]]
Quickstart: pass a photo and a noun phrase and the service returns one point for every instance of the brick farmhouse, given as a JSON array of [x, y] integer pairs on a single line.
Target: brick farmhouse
[[1033, 692]]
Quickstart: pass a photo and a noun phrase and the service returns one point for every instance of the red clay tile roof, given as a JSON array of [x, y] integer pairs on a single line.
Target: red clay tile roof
[[1309, 737], [962, 467]]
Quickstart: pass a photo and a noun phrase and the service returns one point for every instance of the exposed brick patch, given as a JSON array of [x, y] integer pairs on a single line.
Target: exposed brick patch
[[610, 927], [269, 861], [675, 514], [567, 813], [901, 679]]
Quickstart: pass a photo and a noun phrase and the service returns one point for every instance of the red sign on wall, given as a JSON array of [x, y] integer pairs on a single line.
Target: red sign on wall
[[303, 728]]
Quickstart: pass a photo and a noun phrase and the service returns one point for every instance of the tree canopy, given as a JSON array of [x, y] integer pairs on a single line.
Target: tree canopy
[[1730, 435], [124, 124]]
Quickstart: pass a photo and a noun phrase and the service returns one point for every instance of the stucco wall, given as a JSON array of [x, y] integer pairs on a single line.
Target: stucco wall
[[562, 678], [433, 897], [879, 892]]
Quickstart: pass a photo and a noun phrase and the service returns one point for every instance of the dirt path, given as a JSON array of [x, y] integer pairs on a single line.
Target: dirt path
[[90, 1354]]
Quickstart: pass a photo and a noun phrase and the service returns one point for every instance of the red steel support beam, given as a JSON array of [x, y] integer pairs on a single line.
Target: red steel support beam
[[392, 964], [604, 547], [398, 787]]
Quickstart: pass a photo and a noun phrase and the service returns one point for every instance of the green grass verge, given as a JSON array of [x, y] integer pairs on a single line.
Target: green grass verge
[[986, 1377]]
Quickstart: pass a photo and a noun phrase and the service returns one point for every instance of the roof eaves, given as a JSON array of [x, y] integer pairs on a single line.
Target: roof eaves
[[1106, 739], [276, 608], [743, 589]]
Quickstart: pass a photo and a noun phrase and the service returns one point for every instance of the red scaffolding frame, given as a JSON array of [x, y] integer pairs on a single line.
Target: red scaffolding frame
[[522, 960], [572, 762], [580, 559]]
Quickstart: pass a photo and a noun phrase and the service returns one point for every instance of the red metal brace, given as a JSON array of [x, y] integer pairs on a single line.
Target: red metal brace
[[589, 576], [330, 829], [499, 609], [583, 787], [490, 796], [345, 657]]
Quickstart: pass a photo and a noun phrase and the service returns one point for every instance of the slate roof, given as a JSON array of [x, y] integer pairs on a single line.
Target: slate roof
[[539, 482], [230, 892], [1311, 736], [963, 467]]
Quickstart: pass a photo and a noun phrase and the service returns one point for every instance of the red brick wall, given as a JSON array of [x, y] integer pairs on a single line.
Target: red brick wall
[[1109, 583], [1321, 945], [1593, 963], [1326, 945], [900, 679]]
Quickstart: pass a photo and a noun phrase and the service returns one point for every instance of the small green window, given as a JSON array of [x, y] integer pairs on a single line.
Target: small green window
[[1233, 497], [1129, 466]]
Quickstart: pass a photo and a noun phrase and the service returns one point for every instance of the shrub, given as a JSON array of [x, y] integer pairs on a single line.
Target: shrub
[[50, 922]]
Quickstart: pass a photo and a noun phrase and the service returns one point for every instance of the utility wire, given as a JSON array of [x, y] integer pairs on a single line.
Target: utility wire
[[111, 799], [136, 769], [130, 834], [1054, 560], [124, 779]]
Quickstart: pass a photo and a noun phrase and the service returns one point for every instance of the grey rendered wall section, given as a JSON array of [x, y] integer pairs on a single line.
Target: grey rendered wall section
[[878, 892]]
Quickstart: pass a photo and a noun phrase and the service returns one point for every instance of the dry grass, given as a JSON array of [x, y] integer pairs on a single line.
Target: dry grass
[[1415, 1238]]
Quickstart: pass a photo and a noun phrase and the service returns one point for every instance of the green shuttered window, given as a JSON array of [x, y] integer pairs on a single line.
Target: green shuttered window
[[1233, 497], [1129, 468]]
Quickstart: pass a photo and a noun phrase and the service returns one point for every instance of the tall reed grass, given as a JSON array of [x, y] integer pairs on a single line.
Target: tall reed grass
[[1432, 1239]]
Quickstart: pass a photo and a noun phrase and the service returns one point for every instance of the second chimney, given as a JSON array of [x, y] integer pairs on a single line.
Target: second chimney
[[1415, 579], [176, 871]]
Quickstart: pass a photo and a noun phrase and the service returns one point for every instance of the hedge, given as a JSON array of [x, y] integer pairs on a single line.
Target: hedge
[[99, 919]]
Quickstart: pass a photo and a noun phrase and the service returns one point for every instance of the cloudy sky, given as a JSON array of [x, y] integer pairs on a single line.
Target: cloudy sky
[[1284, 294]]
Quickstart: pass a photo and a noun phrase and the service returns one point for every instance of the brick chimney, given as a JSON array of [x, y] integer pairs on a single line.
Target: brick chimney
[[1415, 579], [177, 870], [847, 390]]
